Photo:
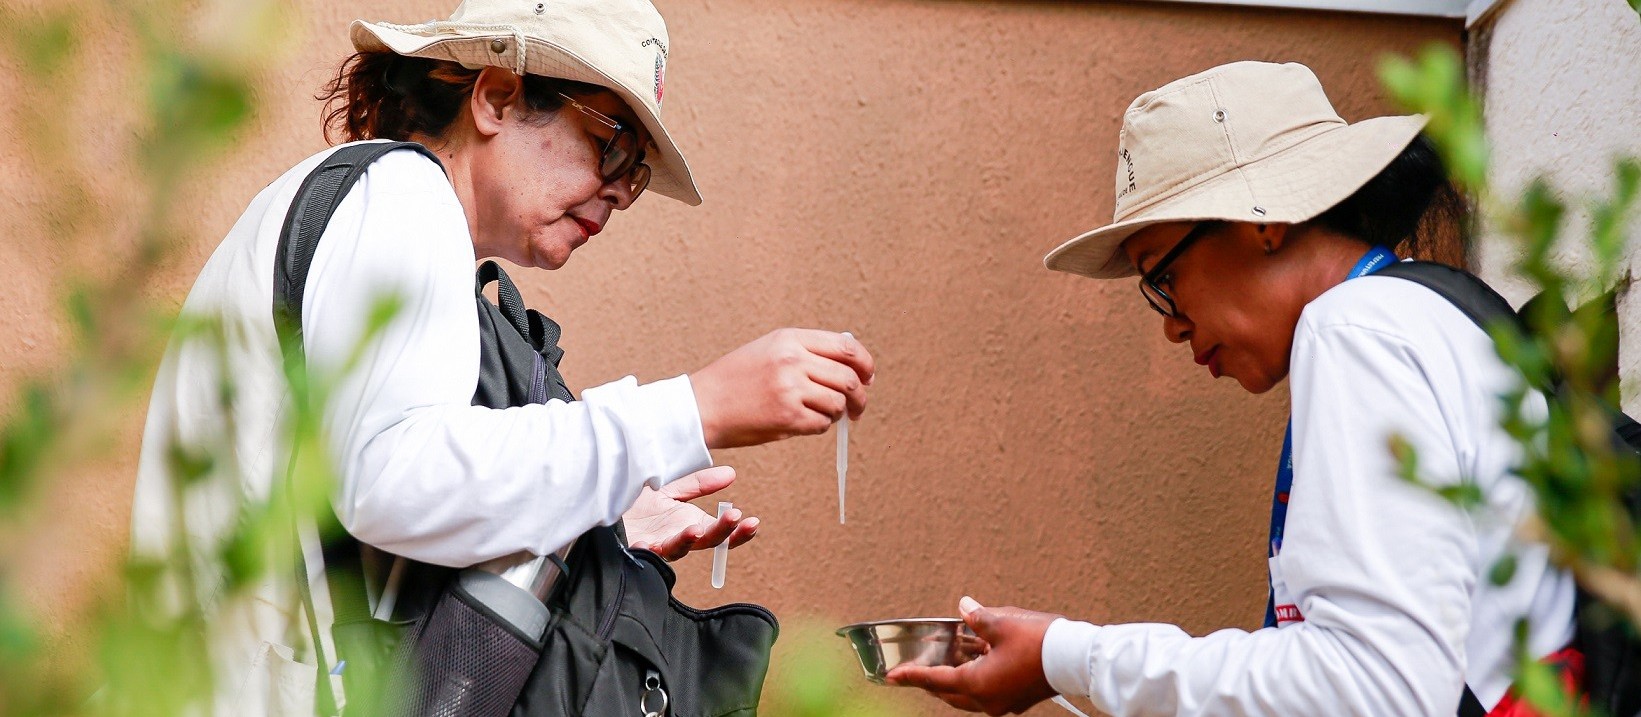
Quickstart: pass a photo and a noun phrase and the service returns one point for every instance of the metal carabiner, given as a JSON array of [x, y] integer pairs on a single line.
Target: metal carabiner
[[653, 690]]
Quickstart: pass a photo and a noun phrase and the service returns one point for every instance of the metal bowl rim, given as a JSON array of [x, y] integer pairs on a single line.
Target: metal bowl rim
[[841, 632]]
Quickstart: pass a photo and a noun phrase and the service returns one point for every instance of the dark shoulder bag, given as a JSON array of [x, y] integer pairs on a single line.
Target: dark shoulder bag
[[608, 639]]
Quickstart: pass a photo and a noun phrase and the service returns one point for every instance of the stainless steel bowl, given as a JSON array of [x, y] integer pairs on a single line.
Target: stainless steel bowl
[[885, 644]]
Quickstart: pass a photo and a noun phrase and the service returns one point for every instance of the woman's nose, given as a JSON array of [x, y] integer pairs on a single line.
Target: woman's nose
[[618, 192], [1176, 328]]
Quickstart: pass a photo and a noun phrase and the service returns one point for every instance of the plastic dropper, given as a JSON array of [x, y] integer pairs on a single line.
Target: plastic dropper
[[720, 554], [1063, 702], [843, 456]]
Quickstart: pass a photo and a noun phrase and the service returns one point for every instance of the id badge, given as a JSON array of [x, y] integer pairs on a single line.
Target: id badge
[[1287, 612]]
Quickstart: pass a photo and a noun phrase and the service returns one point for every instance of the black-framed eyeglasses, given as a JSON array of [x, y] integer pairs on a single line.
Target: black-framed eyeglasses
[[622, 156], [1152, 281]]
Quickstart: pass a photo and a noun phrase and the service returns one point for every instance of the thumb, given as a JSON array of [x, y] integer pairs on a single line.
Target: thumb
[[980, 619], [700, 483]]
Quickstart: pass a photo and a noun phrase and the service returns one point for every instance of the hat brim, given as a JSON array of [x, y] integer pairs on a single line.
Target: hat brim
[[670, 175], [1291, 185]]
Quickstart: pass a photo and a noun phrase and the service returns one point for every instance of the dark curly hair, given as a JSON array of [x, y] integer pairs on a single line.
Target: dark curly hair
[[384, 95], [1410, 206]]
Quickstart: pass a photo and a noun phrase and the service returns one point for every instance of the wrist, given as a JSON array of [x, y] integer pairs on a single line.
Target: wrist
[[1065, 656], [710, 433]]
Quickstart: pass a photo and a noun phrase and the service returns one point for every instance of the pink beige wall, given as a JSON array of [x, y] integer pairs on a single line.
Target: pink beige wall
[[896, 168]]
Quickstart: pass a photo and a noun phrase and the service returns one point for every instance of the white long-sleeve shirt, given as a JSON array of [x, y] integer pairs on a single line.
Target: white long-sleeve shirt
[[424, 474], [1395, 611]]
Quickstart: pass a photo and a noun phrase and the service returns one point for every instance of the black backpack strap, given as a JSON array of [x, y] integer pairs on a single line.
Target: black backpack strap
[[1473, 297], [508, 298], [315, 203], [543, 333], [1469, 706], [549, 332], [1464, 290]]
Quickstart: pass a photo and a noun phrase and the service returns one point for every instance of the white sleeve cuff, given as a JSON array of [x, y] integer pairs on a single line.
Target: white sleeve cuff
[[1066, 649], [673, 440]]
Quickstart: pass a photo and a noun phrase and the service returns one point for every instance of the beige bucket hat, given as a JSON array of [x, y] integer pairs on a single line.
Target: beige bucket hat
[[620, 45], [1245, 142]]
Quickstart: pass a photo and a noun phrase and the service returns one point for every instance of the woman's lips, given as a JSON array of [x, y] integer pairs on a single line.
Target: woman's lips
[[1210, 358], [588, 227]]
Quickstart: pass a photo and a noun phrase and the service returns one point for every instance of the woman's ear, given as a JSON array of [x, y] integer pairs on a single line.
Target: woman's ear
[[495, 91], [1272, 236]]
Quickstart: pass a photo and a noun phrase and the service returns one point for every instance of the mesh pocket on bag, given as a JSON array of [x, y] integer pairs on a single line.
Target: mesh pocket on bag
[[467, 663]]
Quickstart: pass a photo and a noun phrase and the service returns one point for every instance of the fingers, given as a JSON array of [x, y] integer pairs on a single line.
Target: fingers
[[707, 534], [989, 622], [788, 383], [700, 483], [960, 701], [983, 621], [848, 393], [678, 545], [747, 530], [717, 530], [941, 679], [732, 527], [846, 350], [827, 405]]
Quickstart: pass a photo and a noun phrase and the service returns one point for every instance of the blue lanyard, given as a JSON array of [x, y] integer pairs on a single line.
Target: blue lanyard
[[1377, 258]]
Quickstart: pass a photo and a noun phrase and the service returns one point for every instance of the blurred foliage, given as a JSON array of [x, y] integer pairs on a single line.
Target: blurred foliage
[[186, 71], [1578, 473], [194, 97], [819, 677]]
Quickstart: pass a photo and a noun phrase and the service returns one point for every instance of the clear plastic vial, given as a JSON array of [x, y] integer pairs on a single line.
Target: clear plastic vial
[[720, 554]]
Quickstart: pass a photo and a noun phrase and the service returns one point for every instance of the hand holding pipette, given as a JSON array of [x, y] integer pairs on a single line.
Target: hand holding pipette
[[791, 382]]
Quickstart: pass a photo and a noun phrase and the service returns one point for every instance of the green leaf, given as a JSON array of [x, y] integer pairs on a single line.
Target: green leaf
[[18, 641], [45, 45], [24, 441], [1464, 495], [1434, 85], [1610, 219], [1540, 685], [1503, 570]]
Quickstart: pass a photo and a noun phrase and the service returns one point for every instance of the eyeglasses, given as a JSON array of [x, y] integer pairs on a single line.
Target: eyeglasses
[[1152, 282], [621, 156]]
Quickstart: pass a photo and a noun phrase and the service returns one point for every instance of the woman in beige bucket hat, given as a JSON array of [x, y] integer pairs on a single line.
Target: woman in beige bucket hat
[[546, 119], [1255, 219]]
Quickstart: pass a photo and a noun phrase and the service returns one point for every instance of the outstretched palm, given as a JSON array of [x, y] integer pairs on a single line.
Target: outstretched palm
[[666, 523]]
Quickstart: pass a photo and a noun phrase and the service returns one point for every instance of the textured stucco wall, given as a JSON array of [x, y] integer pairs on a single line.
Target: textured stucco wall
[[1563, 100], [896, 168]]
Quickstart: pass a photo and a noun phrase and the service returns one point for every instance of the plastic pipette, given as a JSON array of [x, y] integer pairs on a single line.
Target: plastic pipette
[[720, 554], [843, 456], [1063, 702]]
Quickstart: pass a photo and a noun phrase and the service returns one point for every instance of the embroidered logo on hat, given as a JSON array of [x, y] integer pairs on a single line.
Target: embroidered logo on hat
[[660, 67], [1128, 165], [660, 77]]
